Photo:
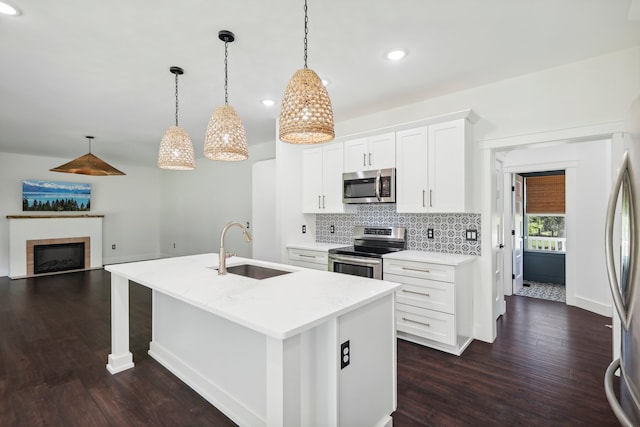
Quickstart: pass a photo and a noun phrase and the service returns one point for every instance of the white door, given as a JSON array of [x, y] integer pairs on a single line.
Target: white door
[[382, 151], [332, 166], [498, 258], [518, 231], [411, 175], [355, 155], [446, 159], [312, 180]]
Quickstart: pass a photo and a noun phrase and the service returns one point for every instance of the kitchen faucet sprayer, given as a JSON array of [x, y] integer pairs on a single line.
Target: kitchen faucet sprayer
[[222, 263]]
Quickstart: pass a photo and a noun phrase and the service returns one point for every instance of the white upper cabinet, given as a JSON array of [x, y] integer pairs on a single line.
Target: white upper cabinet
[[322, 179], [412, 180], [432, 168], [375, 152]]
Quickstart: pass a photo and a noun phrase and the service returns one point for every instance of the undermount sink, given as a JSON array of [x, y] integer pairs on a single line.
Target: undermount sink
[[255, 271]]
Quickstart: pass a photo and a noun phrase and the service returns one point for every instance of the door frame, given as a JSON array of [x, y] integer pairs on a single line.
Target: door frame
[[571, 183]]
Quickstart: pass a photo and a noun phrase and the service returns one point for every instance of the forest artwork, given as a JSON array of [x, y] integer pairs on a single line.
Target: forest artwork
[[55, 196]]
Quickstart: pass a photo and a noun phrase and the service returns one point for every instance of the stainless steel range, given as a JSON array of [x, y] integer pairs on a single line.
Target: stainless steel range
[[364, 258]]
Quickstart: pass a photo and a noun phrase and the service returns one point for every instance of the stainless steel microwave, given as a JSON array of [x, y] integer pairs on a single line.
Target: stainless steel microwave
[[373, 186]]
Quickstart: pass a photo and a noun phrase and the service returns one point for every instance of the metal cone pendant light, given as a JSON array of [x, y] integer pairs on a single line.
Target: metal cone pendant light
[[176, 148], [306, 116], [88, 165], [226, 138]]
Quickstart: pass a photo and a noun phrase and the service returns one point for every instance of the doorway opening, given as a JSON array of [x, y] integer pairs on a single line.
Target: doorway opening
[[542, 227]]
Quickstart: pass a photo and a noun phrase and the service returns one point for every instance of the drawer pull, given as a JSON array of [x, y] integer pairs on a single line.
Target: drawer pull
[[414, 292], [307, 256], [415, 321], [421, 270]]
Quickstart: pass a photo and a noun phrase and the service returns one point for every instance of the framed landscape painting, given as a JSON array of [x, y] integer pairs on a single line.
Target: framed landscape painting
[[55, 196]]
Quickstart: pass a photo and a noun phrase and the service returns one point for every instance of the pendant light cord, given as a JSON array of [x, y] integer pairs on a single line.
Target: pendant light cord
[[306, 32], [176, 99], [226, 56]]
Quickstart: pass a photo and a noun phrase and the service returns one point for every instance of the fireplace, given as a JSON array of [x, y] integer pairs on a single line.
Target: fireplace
[[58, 255]]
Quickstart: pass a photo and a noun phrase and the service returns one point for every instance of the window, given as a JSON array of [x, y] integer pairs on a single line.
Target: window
[[545, 232], [545, 212]]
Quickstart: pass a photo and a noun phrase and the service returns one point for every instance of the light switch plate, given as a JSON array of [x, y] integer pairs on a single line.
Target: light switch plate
[[471, 235]]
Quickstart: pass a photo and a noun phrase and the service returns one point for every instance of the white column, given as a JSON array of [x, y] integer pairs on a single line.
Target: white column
[[120, 358], [283, 382]]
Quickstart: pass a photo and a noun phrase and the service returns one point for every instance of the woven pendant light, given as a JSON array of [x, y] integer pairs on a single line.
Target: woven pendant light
[[88, 165], [226, 138], [176, 148], [306, 116]]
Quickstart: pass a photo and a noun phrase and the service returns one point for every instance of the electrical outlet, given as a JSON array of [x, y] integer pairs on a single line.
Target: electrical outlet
[[174, 246], [247, 224], [471, 235], [345, 354], [332, 229], [113, 246], [304, 229], [429, 233]]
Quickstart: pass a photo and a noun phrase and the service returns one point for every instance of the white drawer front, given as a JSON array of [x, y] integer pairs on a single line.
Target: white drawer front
[[428, 294], [420, 270], [311, 265], [306, 256], [428, 324]]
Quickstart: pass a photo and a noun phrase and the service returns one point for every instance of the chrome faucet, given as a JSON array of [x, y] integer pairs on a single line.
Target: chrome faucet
[[222, 263]]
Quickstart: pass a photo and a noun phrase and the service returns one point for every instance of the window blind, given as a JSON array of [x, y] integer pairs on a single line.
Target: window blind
[[544, 194]]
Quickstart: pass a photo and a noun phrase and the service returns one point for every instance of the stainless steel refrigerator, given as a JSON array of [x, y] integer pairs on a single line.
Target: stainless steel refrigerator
[[625, 279]]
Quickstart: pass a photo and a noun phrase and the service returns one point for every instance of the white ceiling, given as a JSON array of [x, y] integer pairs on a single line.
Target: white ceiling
[[88, 67]]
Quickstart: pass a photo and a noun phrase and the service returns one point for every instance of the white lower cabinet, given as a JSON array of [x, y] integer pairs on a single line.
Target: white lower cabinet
[[434, 307], [318, 260]]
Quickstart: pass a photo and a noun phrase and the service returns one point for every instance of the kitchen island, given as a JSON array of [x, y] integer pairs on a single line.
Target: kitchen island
[[306, 347]]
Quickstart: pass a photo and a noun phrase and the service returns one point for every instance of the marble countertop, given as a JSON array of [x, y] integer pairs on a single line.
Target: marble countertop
[[280, 307], [316, 246], [430, 257]]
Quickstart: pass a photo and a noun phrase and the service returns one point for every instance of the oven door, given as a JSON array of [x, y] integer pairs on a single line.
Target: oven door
[[356, 266]]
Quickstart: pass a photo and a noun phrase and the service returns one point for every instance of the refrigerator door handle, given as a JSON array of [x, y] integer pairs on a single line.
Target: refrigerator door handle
[[623, 182], [611, 396]]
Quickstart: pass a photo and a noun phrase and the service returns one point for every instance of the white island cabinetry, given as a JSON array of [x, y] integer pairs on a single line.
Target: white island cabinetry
[[267, 352], [434, 306]]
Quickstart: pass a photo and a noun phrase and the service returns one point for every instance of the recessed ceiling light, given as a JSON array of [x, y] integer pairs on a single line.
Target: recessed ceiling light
[[396, 54], [8, 9], [268, 102]]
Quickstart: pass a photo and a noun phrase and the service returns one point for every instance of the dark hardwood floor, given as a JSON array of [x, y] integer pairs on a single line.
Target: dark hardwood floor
[[545, 368]]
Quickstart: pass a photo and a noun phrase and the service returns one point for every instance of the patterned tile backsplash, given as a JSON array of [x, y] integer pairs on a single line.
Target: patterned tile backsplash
[[449, 230]]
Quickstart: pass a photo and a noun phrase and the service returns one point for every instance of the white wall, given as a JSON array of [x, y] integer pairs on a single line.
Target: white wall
[[589, 164], [130, 205], [196, 205]]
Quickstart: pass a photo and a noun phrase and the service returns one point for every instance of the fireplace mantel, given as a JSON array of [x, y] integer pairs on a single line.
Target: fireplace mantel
[[23, 228], [52, 216]]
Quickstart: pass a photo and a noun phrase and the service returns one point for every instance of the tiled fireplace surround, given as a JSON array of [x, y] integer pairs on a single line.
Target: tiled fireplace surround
[[449, 229]]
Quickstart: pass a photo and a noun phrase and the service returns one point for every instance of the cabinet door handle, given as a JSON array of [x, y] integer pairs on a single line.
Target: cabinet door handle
[[421, 270], [369, 159], [306, 256], [364, 159], [319, 206], [423, 192], [417, 293], [415, 321], [430, 198], [323, 206]]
